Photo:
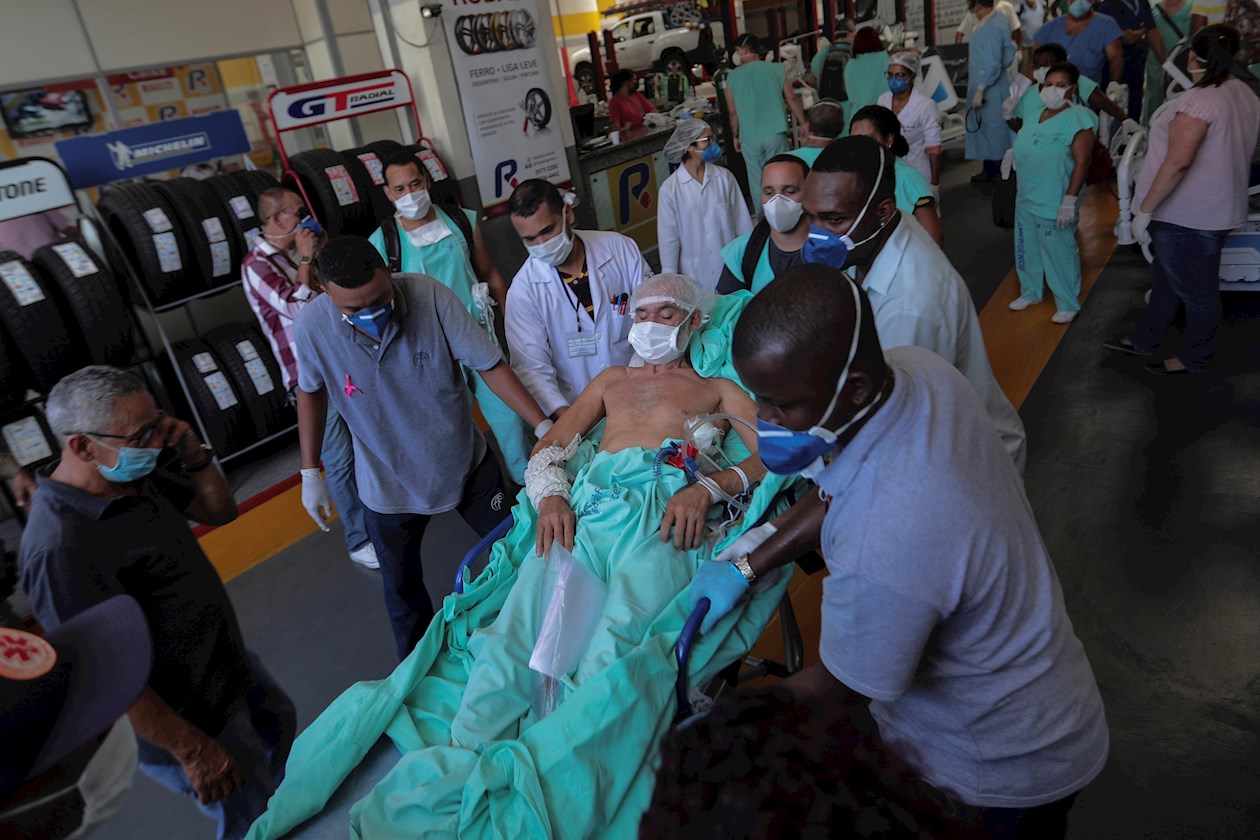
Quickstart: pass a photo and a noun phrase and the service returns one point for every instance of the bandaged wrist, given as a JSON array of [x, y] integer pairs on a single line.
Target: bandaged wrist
[[546, 476], [743, 476], [715, 492]]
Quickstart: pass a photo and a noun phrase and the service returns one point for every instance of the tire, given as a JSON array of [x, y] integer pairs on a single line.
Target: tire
[[123, 207], [240, 208], [385, 148], [442, 192], [14, 377], [44, 338], [229, 427], [372, 166], [584, 75], [675, 58], [349, 213], [252, 367], [206, 229], [89, 292]]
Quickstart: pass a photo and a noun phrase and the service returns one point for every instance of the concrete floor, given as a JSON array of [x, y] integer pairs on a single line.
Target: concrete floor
[[1147, 491]]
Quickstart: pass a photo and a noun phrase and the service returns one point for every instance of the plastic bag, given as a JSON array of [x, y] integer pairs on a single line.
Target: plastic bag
[[571, 601]]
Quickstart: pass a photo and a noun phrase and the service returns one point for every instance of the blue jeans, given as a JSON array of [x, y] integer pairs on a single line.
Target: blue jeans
[[397, 538], [338, 458], [1186, 271], [258, 736]]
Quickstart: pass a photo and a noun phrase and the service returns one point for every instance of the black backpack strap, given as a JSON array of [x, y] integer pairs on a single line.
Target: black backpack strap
[[393, 246], [752, 251], [461, 221]]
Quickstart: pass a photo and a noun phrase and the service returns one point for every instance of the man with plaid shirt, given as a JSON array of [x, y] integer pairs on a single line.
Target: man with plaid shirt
[[277, 277]]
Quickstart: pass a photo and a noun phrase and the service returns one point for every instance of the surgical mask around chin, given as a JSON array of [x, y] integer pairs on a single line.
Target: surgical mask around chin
[[134, 463], [372, 319], [1079, 8], [1053, 97], [414, 205], [790, 452], [1040, 73], [826, 248], [555, 250], [782, 213], [657, 344], [737, 58]]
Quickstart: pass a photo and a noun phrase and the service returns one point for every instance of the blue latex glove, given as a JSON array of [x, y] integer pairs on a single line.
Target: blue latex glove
[[722, 584]]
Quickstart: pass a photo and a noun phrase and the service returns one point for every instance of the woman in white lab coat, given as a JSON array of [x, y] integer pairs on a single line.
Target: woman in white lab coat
[[919, 117], [700, 207], [558, 344]]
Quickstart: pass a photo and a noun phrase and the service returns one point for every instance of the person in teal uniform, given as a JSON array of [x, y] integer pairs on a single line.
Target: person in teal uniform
[[1088, 93], [1052, 151], [989, 53], [1172, 19], [431, 240], [864, 75], [824, 124], [774, 244], [913, 193], [755, 94]]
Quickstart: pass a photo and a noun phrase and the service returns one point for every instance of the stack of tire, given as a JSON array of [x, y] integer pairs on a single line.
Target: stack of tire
[[59, 311], [236, 385], [185, 237]]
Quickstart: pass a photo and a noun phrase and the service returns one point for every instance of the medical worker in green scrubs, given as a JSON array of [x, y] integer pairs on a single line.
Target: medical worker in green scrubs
[[913, 193], [432, 242], [755, 93], [1052, 154]]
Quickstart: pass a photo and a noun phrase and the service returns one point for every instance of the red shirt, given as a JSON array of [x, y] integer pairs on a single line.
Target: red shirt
[[629, 109]]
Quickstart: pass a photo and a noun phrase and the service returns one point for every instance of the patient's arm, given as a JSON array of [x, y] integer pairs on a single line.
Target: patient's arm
[[688, 509]]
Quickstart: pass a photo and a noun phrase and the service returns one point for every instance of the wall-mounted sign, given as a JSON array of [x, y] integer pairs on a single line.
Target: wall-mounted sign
[[625, 195], [167, 93], [321, 102], [147, 149], [32, 185], [513, 125]]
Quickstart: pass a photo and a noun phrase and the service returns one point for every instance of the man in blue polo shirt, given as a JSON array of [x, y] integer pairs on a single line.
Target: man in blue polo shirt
[[389, 353]]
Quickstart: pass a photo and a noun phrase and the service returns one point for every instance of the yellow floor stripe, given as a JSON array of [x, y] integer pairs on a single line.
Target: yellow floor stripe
[[1019, 344]]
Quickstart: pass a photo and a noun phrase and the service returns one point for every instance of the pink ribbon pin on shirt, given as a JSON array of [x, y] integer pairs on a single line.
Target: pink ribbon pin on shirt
[[351, 387]]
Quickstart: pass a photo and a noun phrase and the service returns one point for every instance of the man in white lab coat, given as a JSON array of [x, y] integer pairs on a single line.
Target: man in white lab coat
[[567, 315]]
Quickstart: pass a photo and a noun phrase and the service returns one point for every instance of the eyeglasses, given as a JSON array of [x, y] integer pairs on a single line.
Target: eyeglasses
[[140, 439], [905, 77], [702, 142]]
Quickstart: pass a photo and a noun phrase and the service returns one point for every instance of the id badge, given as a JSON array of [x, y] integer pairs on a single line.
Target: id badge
[[581, 343]]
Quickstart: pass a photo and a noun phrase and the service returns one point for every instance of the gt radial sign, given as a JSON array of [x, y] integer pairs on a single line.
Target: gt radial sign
[[321, 102], [506, 93]]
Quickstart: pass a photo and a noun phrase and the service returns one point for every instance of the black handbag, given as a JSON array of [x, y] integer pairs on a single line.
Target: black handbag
[[1004, 190]]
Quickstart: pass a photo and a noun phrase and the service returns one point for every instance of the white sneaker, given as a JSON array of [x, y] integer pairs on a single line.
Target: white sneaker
[[1063, 317], [365, 556], [1022, 303]]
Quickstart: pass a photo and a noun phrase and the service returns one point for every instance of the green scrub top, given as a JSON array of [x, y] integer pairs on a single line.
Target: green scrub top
[[864, 82], [758, 90], [448, 260], [912, 187], [1043, 156], [809, 154], [733, 256]]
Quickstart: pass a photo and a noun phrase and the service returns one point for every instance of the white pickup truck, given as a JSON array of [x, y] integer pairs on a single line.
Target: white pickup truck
[[649, 40]]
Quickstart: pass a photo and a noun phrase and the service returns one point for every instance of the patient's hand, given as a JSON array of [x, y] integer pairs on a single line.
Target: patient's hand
[[686, 513], [556, 522]]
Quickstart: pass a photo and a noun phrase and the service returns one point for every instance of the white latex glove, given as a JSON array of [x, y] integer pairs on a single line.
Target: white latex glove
[[1008, 164], [1130, 126], [1141, 222], [748, 542], [315, 497], [1067, 212], [977, 99], [1118, 92], [1008, 107]]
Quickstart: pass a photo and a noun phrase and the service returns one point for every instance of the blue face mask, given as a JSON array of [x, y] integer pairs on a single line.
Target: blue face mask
[[791, 452], [898, 85], [133, 464], [371, 320], [826, 248], [1079, 8], [711, 153], [312, 224]]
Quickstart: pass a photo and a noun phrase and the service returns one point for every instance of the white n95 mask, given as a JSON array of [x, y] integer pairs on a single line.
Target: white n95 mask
[[1040, 74], [656, 344], [414, 205], [1053, 97], [782, 213], [555, 250]]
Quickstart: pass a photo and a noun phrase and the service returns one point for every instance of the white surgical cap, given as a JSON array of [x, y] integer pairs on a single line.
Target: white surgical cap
[[687, 132], [678, 289], [908, 60]]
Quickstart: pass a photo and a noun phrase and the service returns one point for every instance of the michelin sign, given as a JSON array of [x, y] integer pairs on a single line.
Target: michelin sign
[[95, 159]]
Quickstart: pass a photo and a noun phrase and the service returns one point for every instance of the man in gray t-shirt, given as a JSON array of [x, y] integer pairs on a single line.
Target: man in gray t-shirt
[[387, 352], [942, 606]]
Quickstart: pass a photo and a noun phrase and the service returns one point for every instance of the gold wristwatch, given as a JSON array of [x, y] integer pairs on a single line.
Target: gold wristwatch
[[745, 569]]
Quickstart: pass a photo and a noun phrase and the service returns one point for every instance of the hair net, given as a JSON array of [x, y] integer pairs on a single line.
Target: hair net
[[908, 60], [687, 132], [678, 289]]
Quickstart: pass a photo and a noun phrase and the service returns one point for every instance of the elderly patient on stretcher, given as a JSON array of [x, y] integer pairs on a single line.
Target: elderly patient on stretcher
[[657, 471]]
